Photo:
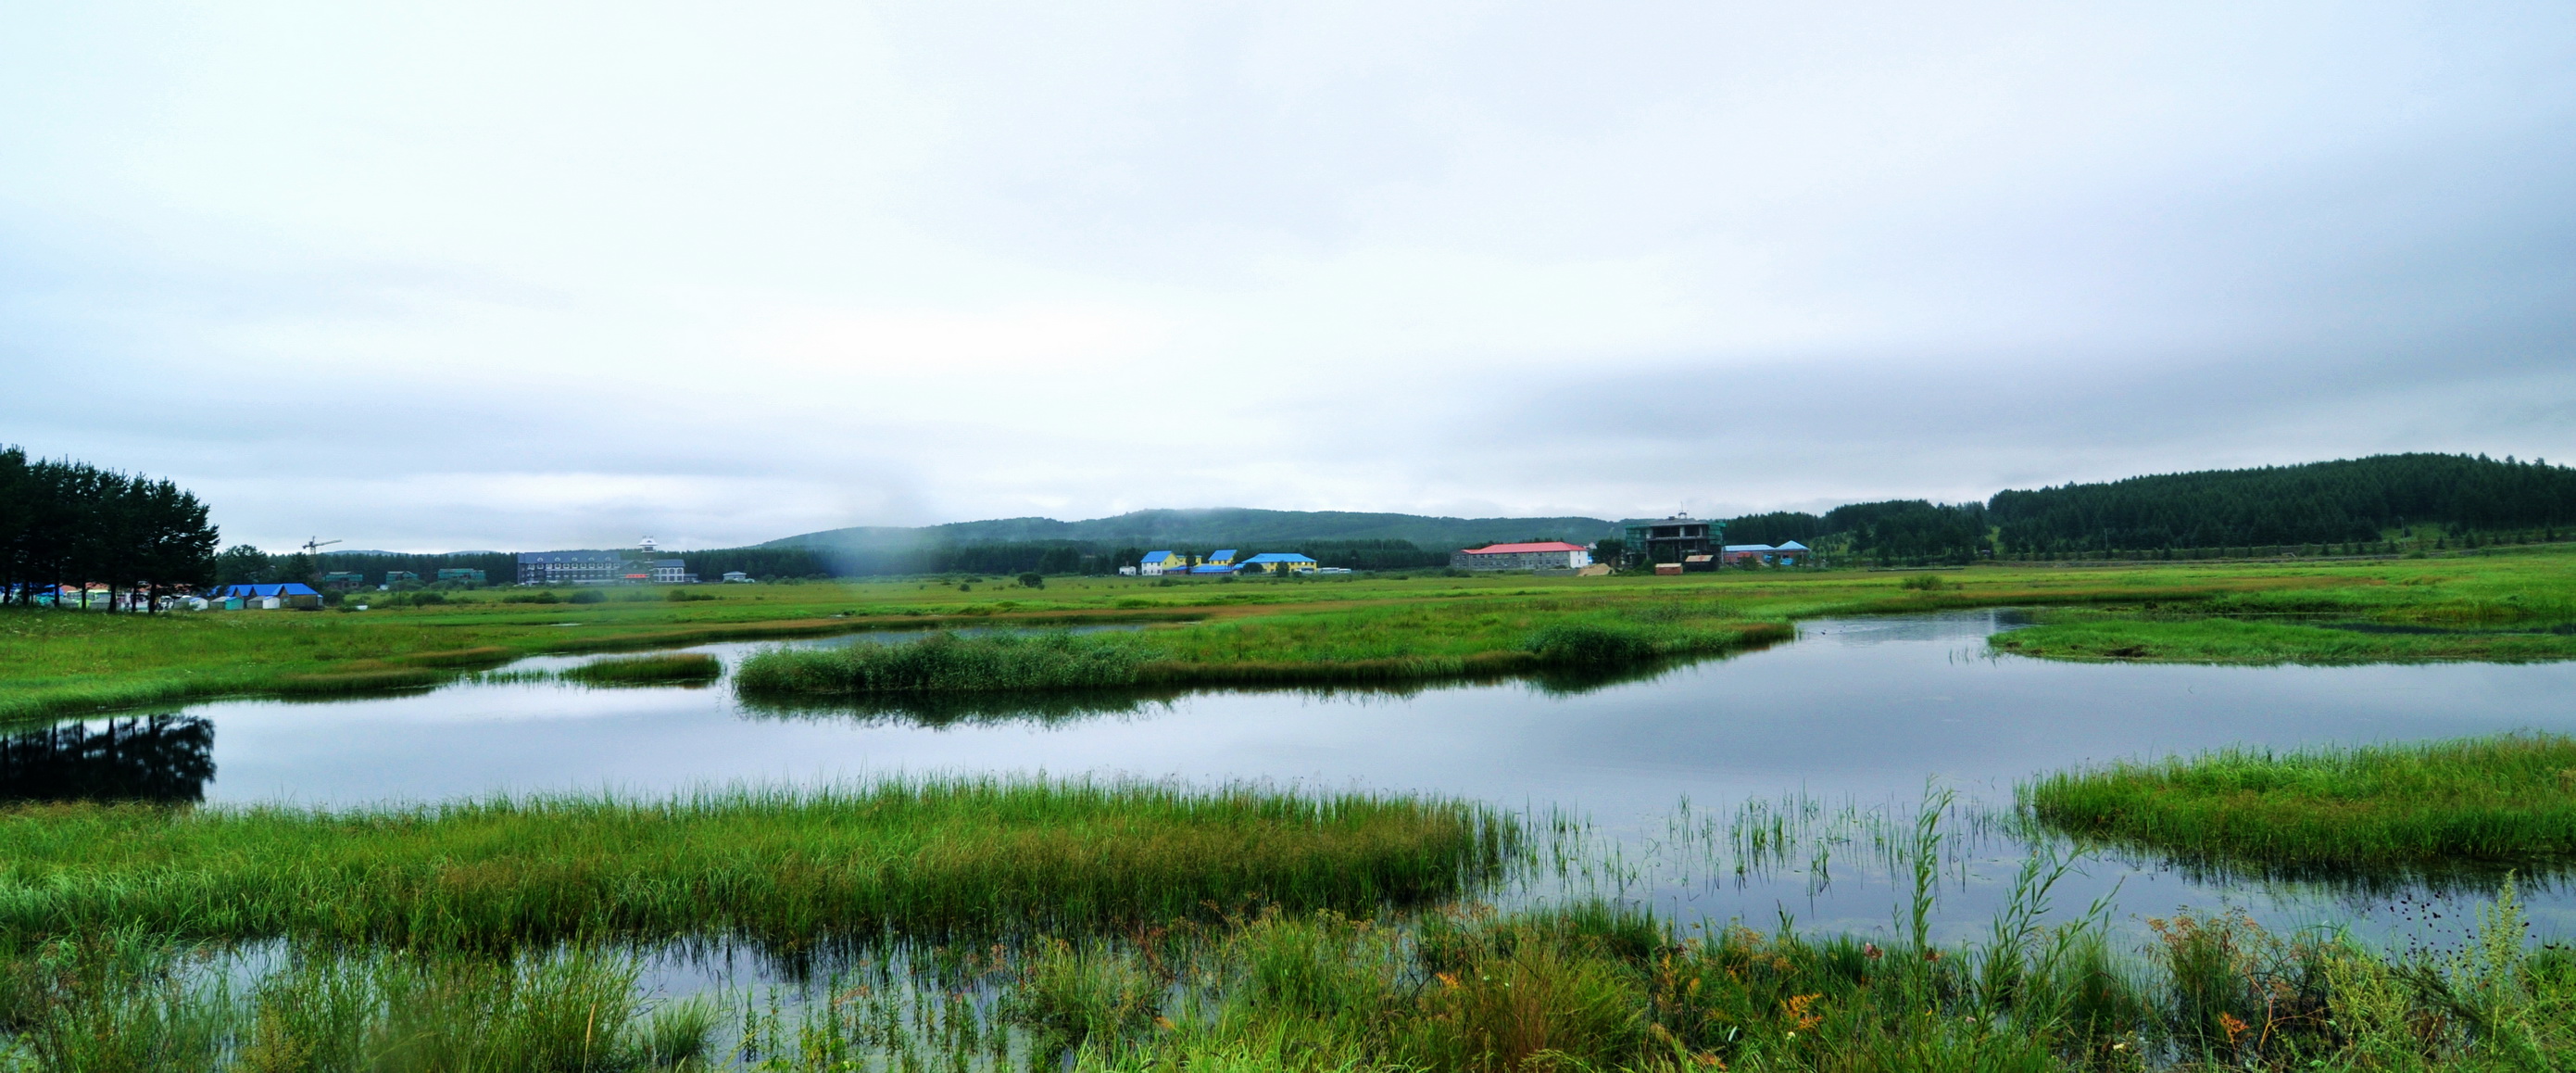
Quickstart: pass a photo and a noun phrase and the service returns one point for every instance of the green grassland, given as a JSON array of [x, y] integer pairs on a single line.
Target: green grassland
[[1354, 628], [2506, 607], [2486, 801], [788, 868]]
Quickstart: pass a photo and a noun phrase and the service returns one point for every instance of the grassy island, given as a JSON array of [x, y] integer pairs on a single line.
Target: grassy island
[[920, 858], [2494, 801]]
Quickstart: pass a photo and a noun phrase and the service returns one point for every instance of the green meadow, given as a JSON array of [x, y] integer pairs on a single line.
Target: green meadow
[[2512, 606], [1349, 628]]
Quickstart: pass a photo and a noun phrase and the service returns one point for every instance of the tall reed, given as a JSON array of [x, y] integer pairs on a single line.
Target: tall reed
[[2502, 799], [924, 857]]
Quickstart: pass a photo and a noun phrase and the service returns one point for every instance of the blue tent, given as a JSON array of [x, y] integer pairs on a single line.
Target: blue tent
[[262, 592]]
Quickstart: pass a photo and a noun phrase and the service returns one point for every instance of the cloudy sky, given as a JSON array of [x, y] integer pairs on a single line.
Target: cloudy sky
[[539, 275]]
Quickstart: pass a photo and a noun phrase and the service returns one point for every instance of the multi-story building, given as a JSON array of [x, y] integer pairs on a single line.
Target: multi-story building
[[574, 567], [634, 567], [1670, 540]]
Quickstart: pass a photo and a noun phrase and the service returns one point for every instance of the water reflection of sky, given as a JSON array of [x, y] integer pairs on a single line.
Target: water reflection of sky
[[1857, 713]]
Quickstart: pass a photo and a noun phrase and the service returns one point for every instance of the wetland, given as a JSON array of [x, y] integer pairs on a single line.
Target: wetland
[[1822, 848]]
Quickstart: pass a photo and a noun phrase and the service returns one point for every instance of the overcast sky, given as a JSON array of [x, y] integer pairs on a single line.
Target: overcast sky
[[543, 275]]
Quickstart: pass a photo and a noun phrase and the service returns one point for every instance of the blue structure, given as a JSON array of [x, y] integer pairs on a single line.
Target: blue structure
[[289, 594], [1273, 562]]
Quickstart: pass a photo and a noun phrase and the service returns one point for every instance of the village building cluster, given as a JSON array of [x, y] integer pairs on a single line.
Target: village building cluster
[[640, 565], [1676, 545], [1173, 563]]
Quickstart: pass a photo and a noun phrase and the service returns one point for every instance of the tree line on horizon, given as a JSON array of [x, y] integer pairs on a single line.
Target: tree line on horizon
[[67, 523], [2347, 501]]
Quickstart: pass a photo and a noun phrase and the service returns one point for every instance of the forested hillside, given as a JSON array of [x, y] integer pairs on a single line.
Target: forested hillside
[[2346, 502], [2320, 502]]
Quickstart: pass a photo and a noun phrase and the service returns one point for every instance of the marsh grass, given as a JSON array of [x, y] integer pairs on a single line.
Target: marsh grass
[[664, 669], [950, 663], [778, 868], [1582, 985], [2140, 638], [2493, 800], [119, 1000], [1351, 648]]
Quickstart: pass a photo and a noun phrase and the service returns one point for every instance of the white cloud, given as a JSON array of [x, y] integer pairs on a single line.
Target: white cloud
[[501, 276]]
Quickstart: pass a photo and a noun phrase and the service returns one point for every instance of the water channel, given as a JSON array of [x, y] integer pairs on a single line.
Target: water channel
[[1851, 721]]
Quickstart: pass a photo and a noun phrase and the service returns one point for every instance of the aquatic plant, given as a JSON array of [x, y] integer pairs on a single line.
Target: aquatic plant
[[647, 670], [948, 662], [2496, 800], [780, 867]]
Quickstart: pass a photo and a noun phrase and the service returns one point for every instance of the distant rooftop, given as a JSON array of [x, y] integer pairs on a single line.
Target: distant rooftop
[[1511, 549]]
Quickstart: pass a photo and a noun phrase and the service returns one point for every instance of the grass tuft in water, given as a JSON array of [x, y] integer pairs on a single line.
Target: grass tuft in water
[[947, 662], [2494, 800], [661, 669]]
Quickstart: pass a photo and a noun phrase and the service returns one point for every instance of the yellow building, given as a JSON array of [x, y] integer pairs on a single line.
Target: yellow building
[[1274, 562]]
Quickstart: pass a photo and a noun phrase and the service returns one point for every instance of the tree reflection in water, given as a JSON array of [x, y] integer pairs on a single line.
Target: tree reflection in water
[[151, 758]]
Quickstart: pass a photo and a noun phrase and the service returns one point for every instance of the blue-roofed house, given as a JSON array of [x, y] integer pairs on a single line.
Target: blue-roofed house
[[1219, 563], [1158, 563], [273, 596], [1278, 561]]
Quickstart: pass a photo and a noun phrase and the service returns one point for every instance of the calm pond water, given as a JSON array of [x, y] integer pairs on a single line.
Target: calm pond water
[[1843, 727]]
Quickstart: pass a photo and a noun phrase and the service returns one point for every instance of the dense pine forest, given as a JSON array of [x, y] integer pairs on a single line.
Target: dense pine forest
[[2362, 504], [66, 523]]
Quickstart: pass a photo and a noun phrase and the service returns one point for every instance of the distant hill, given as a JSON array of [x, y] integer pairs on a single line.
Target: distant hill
[[2346, 501], [1220, 524], [1412, 539]]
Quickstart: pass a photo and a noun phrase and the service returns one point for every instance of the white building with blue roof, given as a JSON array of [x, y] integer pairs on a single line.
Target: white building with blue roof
[[1158, 563]]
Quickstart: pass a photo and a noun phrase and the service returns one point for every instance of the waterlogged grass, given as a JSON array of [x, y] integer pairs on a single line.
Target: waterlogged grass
[[1584, 985], [121, 1000], [664, 669], [923, 858], [946, 662], [2102, 637], [2493, 801], [1345, 647], [1587, 986]]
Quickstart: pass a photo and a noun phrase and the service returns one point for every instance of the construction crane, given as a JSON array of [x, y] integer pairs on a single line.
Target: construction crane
[[313, 558]]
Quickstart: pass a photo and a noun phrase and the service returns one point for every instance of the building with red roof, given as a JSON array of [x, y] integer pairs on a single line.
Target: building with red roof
[[1542, 555]]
